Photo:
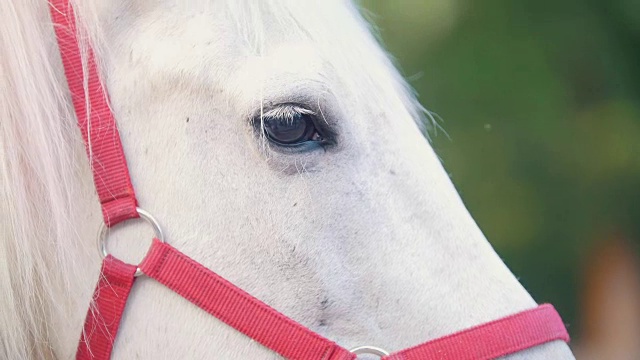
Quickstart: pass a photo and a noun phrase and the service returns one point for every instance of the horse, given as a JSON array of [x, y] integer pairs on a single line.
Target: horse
[[276, 143]]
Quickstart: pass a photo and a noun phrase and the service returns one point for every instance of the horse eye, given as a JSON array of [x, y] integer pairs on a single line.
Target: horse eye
[[291, 130]]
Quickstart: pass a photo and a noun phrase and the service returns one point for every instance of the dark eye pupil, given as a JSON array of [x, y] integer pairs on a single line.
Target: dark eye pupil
[[296, 129]]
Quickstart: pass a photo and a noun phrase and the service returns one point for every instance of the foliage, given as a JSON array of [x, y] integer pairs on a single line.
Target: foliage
[[540, 100]]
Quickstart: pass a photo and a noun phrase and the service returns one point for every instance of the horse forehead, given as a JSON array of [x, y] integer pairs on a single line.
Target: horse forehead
[[208, 49], [287, 70]]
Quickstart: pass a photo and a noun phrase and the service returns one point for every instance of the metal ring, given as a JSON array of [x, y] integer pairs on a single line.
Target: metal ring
[[102, 234], [371, 350]]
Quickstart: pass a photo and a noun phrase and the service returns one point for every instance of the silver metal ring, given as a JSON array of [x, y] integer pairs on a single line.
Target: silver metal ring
[[102, 233], [371, 350]]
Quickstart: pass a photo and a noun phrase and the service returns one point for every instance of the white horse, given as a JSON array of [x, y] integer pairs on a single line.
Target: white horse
[[341, 217]]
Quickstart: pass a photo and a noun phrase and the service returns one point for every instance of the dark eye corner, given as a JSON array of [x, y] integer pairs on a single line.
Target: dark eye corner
[[292, 125]]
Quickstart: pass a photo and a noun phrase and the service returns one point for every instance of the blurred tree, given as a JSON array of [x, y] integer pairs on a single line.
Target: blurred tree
[[541, 102]]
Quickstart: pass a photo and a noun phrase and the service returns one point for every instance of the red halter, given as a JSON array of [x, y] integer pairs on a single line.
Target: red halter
[[206, 289]]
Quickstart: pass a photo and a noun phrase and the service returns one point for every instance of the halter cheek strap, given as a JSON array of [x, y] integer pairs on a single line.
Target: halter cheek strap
[[206, 289], [96, 121]]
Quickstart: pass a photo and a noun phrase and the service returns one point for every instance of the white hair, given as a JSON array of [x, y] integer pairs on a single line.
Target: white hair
[[37, 189], [40, 143]]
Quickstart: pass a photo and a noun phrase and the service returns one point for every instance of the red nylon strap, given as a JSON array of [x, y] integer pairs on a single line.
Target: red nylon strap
[[96, 122], [237, 308], [493, 339], [104, 314], [262, 323]]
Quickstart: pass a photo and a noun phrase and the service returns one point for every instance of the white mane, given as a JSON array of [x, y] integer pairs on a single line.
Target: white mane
[[38, 188], [40, 144]]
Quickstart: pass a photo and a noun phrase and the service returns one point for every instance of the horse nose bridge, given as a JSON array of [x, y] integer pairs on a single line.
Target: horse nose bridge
[[382, 206], [401, 200]]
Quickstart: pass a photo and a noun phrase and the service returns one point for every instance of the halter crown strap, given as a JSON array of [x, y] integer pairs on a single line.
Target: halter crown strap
[[96, 122]]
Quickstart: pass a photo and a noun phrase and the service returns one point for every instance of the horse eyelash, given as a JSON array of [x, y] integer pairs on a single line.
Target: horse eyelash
[[287, 111]]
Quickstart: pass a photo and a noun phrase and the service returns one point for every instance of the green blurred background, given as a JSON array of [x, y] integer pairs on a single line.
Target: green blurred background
[[539, 103]]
